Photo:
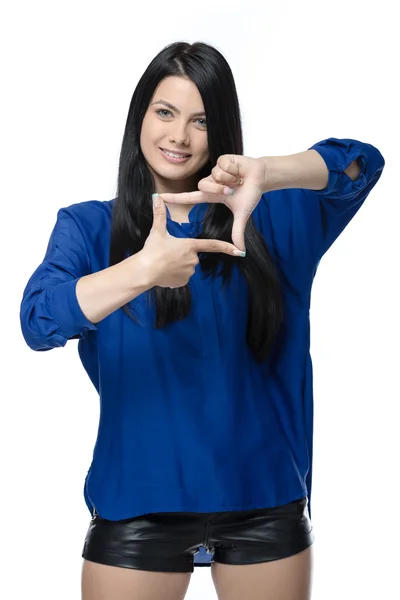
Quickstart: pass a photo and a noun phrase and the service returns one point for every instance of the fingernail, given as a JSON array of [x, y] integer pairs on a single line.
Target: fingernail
[[156, 200], [228, 191], [239, 253]]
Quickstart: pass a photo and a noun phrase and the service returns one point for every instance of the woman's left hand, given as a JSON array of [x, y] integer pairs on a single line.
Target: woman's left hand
[[244, 175]]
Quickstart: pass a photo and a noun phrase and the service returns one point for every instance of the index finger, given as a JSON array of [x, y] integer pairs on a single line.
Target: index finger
[[197, 197], [215, 246]]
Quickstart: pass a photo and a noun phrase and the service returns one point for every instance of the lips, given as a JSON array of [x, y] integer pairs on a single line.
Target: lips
[[172, 160], [182, 154]]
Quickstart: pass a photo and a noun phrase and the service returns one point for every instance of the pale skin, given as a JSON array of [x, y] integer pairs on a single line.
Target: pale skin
[[170, 262], [249, 178]]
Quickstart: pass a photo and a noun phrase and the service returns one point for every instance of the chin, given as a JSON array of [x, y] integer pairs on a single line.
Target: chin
[[174, 172]]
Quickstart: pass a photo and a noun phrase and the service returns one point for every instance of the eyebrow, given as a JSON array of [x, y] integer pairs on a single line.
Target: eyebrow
[[172, 107]]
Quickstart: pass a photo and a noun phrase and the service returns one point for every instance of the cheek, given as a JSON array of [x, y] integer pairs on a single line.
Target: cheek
[[205, 154], [143, 138], [145, 133], [205, 143], [200, 147], [147, 143], [150, 130]]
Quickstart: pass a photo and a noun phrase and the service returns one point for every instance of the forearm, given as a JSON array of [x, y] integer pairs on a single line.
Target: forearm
[[302, 170], [101, 293]]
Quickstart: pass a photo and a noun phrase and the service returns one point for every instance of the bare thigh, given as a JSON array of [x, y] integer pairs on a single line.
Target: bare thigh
[[103, 582], [285, 579]]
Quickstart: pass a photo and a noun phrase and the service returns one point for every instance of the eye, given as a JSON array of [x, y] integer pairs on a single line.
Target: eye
[[163, 110]]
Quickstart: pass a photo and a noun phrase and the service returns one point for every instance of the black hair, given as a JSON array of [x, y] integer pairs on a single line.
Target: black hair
[[132, 216]]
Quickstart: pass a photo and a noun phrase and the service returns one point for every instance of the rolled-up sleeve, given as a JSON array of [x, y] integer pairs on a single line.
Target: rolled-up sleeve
[[304, 223], [50, 314]]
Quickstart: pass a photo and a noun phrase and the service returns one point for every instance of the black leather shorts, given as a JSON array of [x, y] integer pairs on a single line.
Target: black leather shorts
[[168, 541]]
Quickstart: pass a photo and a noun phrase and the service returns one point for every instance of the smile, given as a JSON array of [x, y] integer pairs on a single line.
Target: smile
[[174, 157]]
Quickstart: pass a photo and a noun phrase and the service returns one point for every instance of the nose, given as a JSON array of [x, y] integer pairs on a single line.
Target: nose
[[179, 135]]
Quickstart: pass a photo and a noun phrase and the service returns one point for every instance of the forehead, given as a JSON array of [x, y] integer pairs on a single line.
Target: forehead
[[180, 91]]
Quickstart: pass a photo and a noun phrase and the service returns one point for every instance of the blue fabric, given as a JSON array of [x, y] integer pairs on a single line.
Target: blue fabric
[[188, 420]]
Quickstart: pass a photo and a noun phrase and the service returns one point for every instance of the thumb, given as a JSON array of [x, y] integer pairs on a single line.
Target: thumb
[[238, 229], [159, 214]]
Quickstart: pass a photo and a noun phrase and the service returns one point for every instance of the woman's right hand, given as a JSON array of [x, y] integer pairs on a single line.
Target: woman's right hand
[[170, 261]]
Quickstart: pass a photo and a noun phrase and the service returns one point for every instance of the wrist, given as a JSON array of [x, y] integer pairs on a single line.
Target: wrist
[[144, 271]]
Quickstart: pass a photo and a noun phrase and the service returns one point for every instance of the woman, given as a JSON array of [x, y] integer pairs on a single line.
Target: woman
[[192, 314]]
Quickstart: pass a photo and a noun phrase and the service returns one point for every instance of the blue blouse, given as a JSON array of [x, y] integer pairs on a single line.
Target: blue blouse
[[189, 421]]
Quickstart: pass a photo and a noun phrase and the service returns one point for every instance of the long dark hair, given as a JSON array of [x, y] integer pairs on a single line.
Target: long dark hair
[[132, 216]]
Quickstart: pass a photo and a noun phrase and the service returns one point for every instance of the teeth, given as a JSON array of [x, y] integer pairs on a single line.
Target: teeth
[[175, 155]]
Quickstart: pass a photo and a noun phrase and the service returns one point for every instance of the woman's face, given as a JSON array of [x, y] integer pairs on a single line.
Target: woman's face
[[175, 121]]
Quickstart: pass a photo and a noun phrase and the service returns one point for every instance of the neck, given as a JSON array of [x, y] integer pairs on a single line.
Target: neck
[[180, 213]]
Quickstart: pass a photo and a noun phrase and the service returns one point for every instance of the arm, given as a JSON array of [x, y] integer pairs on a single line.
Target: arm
[[100, 294], [302, 170], [62, 300], [333, 177]]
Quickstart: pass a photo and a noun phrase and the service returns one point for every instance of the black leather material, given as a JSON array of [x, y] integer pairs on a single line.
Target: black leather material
[[168, 541]]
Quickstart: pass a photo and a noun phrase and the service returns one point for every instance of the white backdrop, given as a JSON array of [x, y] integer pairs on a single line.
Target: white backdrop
[[305, 71]]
